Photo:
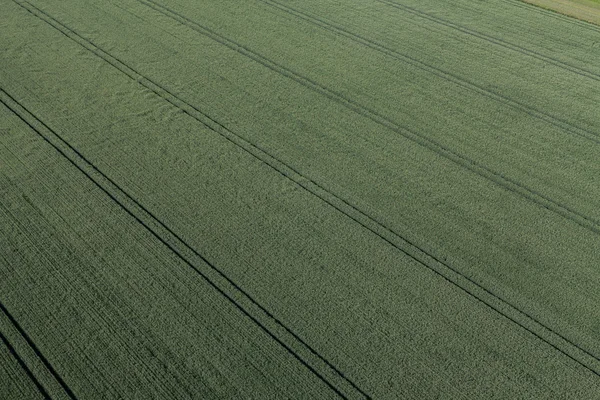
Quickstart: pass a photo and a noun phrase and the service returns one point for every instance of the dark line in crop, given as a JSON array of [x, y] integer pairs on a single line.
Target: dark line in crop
[[371, 219], [479, 169], [31, 344], [24, 366], [499, 42], [448, 76], [168, 245], [221, 273]]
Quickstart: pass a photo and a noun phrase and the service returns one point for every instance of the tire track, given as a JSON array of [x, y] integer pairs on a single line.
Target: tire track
[[490, 39], [211, 124], [441, 268], [37, 352], [24, 366], [219, 281], [448, 76], [479, 169]]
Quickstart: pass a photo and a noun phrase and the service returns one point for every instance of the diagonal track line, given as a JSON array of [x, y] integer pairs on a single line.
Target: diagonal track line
[[36, 350], [436, 265], [448, 76], [496, 41], [24, 366], [175, 243], [499, 179]]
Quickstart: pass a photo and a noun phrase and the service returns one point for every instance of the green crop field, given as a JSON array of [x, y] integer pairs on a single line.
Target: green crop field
[[269, 199]]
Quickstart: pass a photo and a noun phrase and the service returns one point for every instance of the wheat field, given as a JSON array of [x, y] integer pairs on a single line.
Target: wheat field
[[308, 199]]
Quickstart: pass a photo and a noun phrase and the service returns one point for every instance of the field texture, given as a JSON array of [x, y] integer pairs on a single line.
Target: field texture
[[586, 10], [298, 199]]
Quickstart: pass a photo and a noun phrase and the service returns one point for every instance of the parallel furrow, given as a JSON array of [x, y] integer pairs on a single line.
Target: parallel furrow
[[490, 39], [448, 76], [216, 278], [404, 245], [24, 366], [430, 144], [33, 347]]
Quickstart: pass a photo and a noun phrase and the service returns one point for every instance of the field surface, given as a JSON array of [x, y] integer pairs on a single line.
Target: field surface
[[307, 199], [586, 10]]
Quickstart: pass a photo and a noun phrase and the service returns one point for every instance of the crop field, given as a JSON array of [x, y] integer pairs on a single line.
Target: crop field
[[586, 10], [304, 199]]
